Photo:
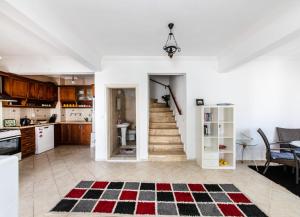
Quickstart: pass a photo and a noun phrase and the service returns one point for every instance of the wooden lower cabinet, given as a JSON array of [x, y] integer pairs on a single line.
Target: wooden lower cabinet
[[73, 134], [27, 141]]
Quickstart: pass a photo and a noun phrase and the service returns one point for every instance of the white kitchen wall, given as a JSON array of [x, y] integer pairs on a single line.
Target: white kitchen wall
[[265, 93]]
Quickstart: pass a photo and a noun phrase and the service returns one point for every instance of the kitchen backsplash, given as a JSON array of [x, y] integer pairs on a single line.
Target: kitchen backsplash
[[44, 114], [31, 113], [76, 114]]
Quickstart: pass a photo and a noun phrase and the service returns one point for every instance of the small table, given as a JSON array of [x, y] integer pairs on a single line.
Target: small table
[[244, 146], [295, 143]]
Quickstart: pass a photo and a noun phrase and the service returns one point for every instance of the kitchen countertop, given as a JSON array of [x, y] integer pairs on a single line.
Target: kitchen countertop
[[46, 124]]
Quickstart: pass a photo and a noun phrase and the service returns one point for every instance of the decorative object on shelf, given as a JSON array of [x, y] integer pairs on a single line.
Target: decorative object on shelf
[[199, 102], [166, 99], [171, 45], [223, 162], [207, 117], [9, 122], [222, 147]]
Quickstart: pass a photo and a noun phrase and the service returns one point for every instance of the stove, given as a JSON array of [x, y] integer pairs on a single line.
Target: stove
[[10, 142]]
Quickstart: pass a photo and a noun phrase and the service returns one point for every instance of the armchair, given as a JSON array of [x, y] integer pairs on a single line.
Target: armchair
[[284, 156]]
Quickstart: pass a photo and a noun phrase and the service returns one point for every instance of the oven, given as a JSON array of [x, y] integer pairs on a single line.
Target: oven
[[10, 142]]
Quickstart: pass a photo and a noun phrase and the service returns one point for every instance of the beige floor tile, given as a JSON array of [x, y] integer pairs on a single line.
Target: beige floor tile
[[46, 178]]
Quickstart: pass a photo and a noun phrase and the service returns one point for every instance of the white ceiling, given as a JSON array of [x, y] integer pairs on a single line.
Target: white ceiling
[[139, 27], [17, 41]]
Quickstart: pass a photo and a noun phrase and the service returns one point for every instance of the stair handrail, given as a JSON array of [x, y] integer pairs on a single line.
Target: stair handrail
[[171, 93]]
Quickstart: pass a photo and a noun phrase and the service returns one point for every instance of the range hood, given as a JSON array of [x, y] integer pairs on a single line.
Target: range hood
[[4, 96]]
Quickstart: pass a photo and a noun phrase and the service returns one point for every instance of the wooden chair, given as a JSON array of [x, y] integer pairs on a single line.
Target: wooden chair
[[284, 156]]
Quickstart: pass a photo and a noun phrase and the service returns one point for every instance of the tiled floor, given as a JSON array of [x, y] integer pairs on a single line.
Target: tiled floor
[[46, 178]]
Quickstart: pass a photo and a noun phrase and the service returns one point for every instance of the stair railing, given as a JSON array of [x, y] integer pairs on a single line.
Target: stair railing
[[171, 93]]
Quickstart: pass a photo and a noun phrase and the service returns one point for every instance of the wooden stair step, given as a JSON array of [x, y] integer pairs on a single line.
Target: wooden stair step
[[166, 109], [163, 132], [165, 147], [162, 119], [158, 105], [165, 125], [164, 139]]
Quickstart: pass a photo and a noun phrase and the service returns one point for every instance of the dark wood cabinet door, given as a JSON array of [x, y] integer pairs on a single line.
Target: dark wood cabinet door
[[19, 88], [42, 92], [67, 94], [86, 130], [27, 141], [57, 134], [33, 90], [76, 134], [65, 134], [7, 85]]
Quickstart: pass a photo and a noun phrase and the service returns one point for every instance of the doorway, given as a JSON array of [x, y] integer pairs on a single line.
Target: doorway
[[121, 123]]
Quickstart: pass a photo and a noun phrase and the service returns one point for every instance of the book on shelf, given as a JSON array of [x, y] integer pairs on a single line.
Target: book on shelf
[[207, 117]]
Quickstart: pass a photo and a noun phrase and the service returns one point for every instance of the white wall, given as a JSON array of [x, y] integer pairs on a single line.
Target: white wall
[[178, 86], [265, 92], [157, 90]]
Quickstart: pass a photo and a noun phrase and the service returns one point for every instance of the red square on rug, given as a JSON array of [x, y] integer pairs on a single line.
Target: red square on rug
[[196, 187], [145, 208], [105, 206], [183, 197], [239, 198], [100, 185], [76, 193], [128, 195], [163, 187], [230, 210]]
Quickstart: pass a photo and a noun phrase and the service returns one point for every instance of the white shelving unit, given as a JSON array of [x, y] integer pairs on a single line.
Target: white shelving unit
[[217, 130]]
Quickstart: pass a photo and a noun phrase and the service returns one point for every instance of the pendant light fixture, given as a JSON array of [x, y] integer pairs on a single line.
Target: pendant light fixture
[[171, 45]]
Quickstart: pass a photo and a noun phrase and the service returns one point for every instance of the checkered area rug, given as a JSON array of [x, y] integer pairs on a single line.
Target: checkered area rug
[[157, 199]]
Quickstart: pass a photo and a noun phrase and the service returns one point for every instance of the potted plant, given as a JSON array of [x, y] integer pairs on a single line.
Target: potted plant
[[166, 99]]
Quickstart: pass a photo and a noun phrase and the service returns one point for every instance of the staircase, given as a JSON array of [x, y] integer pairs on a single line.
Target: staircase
[[164, 138]]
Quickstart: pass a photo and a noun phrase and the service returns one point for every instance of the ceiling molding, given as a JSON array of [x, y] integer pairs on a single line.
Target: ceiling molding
[[261, 41], [77, 51]]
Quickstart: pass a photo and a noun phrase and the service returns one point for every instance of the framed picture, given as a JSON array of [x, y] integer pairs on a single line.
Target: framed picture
[[199, 102]]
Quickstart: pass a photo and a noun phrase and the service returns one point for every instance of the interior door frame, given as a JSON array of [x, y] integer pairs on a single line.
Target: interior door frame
[[108, 115]]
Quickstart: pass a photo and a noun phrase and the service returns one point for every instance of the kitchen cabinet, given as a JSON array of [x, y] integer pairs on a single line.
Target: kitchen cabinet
[[73, 134], [16, 87], [57, 134], [42, 93], [27, 141], [86, 130], [67, 94], [33, 90]]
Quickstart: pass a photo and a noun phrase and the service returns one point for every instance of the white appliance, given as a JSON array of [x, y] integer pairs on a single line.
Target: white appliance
[[44, 138], [9, 186]]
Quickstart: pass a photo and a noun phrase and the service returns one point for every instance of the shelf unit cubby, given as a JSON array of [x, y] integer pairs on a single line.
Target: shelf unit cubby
[[216, 149]]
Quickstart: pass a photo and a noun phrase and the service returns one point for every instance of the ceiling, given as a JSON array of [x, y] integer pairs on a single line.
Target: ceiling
[[17, 41], [97, 28], [139, 27]]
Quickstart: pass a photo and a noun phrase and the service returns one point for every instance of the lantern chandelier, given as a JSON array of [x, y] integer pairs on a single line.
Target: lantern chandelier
[[171, 45]]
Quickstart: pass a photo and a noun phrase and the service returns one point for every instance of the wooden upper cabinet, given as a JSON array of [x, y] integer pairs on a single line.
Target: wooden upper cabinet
[[33, 92], [67, 94], [42, 92], [93, 90], [19, 88], [7, 88]]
